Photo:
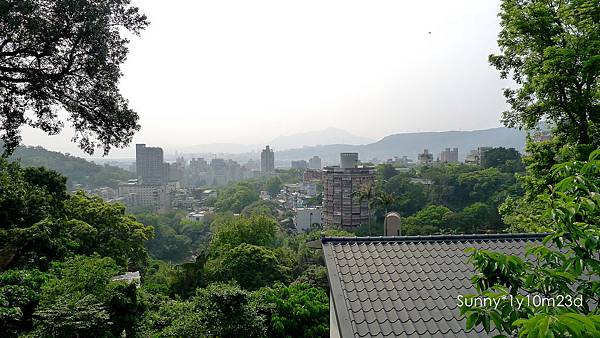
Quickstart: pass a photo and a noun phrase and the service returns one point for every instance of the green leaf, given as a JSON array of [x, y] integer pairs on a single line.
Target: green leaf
[[486, 323], [471, 320]]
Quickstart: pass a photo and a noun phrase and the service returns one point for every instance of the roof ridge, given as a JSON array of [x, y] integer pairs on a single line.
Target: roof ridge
[[438, 238]]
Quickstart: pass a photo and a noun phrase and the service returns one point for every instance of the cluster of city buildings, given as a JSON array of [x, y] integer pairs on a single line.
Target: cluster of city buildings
[[342, 207], [450, 155], [314, 163], [186, 185], [160, 185]]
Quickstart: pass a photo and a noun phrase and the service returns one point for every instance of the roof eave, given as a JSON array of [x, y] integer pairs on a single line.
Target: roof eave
[[338, 298], [465, 237]]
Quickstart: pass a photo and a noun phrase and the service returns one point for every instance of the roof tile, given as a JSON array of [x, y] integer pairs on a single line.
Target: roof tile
[[407, 286]]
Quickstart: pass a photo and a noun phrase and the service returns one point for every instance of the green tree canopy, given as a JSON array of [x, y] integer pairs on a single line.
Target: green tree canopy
[[20, 292], [385, 172], [410, 197], [251, 266], [81, 299], [40, 222], [231, 231], [552, 51], [505, 159], [273, 185], [525, 213], [488, 185], [76, 169], [114, 233], [219, 310], [294, 311], [236, 197], [269, 208], [565, 266], [66, 55], [477, 218], [427, 220], [315, 276]]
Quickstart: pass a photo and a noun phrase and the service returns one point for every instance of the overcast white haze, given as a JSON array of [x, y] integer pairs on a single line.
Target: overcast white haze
[[249, 71]]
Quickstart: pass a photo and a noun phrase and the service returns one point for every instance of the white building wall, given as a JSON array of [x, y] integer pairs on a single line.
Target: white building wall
[[307, 216]]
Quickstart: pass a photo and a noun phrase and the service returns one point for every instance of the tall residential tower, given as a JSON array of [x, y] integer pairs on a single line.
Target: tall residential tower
[[149, 165], [267, 160], [449, 155], [342, 207]]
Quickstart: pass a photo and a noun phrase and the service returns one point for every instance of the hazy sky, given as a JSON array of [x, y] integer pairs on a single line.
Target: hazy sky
[[248, 71]]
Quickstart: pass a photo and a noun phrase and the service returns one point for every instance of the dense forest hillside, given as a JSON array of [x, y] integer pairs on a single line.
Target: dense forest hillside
[[76, 169]]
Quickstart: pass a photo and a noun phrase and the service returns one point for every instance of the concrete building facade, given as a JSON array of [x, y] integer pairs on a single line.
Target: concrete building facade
[[149, 165], [306, 218], [312, 175], [315, 163], [153, 196], [218, 172], [348, 160], [449, 155], [341, 207], [267, 160], [425, 157]]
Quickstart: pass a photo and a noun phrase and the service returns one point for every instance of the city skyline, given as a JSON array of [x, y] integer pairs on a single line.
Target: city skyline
[[244, 82]]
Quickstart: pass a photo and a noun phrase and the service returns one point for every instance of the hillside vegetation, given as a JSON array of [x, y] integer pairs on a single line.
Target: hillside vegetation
[[76, 169]]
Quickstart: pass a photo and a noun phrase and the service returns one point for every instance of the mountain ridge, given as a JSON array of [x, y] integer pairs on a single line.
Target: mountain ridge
[[410, 144], [326, 136]]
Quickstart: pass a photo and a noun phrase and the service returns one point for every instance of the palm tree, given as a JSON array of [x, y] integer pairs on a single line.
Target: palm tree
[[386, 200], [367, 192]]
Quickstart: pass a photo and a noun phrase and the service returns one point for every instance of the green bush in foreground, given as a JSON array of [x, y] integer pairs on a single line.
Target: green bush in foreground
[[564, 269]]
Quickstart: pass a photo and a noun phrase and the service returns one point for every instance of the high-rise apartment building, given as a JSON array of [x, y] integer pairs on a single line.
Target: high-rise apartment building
[[218, 172], [149, 165], [449, 155], [315, 163], [348, 160], [198, 165], [342, 208], [267, 160]]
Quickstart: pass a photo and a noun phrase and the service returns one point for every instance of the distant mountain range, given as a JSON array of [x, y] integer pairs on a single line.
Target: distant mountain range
[[404, 144], [410, 144], [219, 148], [315, 138], [286, 142]]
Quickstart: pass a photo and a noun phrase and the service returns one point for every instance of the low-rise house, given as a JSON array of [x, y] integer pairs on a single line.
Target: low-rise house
[[129, 277], [196, 216], [306, 218]]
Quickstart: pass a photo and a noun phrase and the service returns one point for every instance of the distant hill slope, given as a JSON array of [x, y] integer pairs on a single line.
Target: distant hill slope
[[76, 169], [320, 137], [300, 140], [216, 148], [410, 144]]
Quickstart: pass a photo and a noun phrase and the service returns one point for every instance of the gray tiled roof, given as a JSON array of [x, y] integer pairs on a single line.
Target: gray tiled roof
[[407, 286]]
